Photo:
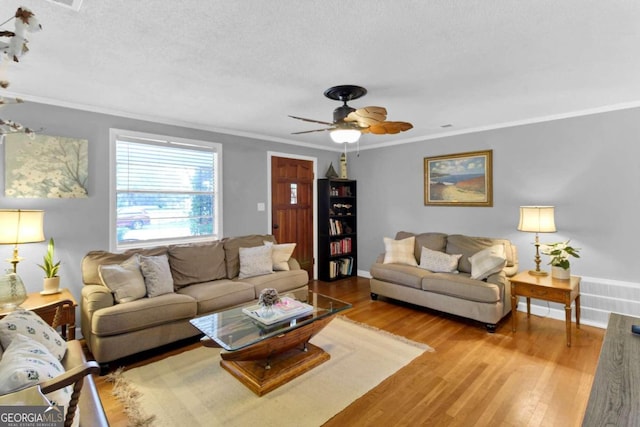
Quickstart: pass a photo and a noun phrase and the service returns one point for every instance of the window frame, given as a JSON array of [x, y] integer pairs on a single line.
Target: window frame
[[155, 139]]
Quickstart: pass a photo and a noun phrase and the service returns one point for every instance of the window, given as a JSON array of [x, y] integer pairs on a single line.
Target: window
[[164, 190]]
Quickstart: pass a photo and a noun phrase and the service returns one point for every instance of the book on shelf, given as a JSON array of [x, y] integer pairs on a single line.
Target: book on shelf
[[341, 267]]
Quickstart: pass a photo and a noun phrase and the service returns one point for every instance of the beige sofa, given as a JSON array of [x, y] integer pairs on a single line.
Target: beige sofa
[[486, 301], [205, 278]]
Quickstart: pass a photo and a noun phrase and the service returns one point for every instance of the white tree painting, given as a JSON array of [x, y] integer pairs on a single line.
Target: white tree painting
[[45, 166]]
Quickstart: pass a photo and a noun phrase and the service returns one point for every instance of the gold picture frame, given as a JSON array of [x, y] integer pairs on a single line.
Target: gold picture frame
[[464, 179]]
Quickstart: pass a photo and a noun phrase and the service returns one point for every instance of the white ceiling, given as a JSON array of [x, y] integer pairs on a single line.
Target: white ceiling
[[242, 67]]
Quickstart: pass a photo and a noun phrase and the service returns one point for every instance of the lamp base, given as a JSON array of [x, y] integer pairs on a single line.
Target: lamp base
[[9, 307], [538, 273]]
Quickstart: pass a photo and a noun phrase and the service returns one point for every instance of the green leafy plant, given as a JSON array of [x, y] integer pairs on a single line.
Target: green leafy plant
[[50, 267], [559, 253]]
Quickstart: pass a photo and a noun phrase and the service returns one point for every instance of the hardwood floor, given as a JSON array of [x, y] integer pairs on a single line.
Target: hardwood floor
[[527, 378]]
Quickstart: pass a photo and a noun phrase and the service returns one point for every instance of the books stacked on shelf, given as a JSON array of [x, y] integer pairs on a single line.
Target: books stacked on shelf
[[337, 227], [341, 267], [339, 247]]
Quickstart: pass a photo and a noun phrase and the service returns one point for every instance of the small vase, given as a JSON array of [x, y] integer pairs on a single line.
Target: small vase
[[12, 291], [51, 285], [560, 273], [267, 311]]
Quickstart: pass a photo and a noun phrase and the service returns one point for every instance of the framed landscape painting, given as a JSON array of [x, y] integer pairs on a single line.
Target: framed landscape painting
[[463, 179]]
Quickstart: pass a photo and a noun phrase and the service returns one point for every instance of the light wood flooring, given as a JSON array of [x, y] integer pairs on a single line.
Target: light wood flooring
[[530, 378]]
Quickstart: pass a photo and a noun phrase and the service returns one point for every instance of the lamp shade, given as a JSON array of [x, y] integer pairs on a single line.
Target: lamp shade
[[21, 226], [537, 219], [345, 135]]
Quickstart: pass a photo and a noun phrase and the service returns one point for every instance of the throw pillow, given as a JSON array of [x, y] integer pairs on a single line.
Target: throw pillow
[[124, 280], [32, 326], [280, 255], [255, 261], [157, 275], [399, 251], [487, 262], [439, 262], [26, 363]]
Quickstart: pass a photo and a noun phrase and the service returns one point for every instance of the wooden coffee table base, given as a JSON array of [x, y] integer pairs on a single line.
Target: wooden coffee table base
[[283, 368], [268, 364]]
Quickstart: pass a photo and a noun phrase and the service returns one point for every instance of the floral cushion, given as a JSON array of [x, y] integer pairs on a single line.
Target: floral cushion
[[25, 363], [32, 326]]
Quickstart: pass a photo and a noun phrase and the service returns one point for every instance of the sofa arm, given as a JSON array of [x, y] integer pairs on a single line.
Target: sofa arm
[[95, 297], [293, 264]]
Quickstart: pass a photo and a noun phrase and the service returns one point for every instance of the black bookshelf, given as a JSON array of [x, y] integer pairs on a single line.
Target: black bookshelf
[[337, 229]]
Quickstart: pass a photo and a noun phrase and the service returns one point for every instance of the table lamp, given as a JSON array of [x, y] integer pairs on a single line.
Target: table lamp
[[17, 226], [537, 219]]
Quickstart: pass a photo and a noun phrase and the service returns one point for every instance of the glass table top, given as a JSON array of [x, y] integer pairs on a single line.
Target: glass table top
[[233, 329]]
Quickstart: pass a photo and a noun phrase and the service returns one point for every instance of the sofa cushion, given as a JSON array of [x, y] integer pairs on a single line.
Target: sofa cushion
[[469, 246], [124, 280], [439, 262], [433, 241], [219, 294], [232, 247], [404, 275], [142, 314], [281, 254], [399, 251], [157, 275], [32, 326], [255, 261], [281, 281], [197, 263], [463, 287], [487, 262], [92, 260]]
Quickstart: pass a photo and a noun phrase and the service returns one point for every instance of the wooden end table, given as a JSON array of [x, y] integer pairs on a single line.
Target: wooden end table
[[58, 310], [548, 289]]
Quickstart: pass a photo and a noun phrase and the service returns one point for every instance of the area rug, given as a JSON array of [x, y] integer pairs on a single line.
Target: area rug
[[191, 389]]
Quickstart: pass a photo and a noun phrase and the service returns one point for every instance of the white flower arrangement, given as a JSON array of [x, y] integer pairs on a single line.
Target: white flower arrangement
[[560, 253], [17, 45]]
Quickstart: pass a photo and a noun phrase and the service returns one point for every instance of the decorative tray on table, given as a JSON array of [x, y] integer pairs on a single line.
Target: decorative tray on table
[[285, 309]]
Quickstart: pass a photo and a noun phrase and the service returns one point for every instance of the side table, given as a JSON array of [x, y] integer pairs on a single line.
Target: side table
[[548, 289], [58, 310]]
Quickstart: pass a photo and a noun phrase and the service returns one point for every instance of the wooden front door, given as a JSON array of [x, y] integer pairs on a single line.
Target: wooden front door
[[292, 207]]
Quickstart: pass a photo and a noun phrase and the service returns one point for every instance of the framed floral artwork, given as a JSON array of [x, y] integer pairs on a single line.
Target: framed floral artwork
[[43, 166], [464, 179]]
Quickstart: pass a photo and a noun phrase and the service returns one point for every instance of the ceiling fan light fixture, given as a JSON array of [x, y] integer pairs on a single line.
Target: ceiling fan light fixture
[[349, 136]]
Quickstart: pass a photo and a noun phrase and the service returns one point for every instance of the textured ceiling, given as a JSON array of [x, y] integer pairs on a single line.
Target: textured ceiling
[[242, 66]]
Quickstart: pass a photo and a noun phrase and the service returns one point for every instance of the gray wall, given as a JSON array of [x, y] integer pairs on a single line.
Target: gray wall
[[588, 167], [81, 225]]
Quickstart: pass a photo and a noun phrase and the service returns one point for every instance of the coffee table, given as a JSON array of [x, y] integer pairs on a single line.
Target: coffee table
[[264, 357]]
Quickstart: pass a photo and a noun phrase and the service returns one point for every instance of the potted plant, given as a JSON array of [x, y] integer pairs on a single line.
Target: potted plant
[[50, 268], [560, 253]]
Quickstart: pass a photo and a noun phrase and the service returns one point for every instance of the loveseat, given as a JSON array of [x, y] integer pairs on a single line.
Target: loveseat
[[203, 278], [461, 275]]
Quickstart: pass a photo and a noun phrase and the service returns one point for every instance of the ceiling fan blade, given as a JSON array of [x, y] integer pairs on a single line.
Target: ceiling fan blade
[[310, 131], [388, 128], [312, 120], [367, 116]]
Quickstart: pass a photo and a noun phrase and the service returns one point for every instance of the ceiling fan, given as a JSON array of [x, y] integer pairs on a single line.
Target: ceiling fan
[[349, 123]]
